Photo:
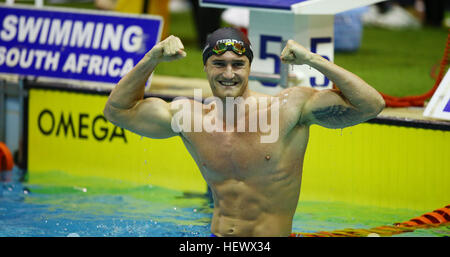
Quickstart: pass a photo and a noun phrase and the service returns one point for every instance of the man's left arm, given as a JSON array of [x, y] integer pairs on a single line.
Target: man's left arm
[[354, 102]]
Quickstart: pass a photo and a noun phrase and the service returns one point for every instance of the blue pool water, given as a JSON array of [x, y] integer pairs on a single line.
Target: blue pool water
[[69, 206]]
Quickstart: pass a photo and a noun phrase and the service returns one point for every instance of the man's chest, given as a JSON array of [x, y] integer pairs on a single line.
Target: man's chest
[[231, 152]]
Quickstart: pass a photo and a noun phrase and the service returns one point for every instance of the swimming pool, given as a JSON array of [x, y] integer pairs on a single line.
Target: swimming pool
[[96, 207]]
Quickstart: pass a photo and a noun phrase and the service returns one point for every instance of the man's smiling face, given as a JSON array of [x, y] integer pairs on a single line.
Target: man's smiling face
[[228, 74]]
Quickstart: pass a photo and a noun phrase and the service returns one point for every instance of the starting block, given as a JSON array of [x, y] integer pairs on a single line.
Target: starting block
[[273, 22]]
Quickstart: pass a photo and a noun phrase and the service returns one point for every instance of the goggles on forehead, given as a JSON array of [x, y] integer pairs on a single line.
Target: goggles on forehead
[[222, 47]]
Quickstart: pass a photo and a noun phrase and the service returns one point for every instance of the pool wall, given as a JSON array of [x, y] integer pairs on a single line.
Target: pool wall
[[383, 162]]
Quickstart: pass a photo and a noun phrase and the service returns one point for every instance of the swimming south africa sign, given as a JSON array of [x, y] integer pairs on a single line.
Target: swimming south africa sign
[[73, 44]]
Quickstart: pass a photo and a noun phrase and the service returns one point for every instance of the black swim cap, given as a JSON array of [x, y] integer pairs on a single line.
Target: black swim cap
[[227, 34]]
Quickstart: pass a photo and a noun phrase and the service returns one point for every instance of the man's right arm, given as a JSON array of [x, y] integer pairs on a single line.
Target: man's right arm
[[126, 106]]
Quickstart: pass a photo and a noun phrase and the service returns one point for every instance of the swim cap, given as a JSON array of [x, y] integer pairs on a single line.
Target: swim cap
[[231, 38]]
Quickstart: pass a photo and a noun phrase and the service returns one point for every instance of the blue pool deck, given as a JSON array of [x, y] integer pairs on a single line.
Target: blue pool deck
[[268, 4], [305, 7]]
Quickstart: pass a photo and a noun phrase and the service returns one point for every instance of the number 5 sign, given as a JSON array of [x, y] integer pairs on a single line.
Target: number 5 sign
[[314, 32]]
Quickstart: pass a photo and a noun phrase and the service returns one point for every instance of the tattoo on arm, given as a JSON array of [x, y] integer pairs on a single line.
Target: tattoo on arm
[[337, 115]]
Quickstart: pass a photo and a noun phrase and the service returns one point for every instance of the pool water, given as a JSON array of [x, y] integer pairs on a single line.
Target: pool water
[[59, 205]]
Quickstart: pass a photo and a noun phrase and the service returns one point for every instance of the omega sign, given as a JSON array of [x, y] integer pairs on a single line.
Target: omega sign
[[79, 126]]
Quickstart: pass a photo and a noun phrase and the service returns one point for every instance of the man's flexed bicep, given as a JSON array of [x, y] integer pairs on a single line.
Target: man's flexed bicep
[[330, 109], [354, 102], [126, 106], [150, 117]]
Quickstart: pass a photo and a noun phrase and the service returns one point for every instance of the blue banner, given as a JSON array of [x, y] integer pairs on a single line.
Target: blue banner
[[74, 44]]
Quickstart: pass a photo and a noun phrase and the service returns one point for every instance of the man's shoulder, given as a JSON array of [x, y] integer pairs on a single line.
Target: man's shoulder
[[184, 102], [297, 91], [296, 96]]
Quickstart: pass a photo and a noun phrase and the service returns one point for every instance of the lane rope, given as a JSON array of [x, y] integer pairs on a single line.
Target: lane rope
[[436, 218]]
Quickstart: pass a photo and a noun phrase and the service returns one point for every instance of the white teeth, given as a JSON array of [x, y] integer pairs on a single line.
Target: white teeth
[[227, 83]]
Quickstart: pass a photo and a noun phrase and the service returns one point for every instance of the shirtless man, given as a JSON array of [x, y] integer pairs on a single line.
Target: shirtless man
[[255, 186]]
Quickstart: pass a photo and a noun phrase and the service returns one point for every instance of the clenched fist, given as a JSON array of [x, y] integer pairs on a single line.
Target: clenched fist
[[294, 53], [168, 50]]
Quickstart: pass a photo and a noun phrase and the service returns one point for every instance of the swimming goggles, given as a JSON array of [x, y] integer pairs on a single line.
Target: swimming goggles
[[236, 47]]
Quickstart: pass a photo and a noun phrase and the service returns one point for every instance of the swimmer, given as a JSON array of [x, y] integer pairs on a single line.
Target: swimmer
[[255, 186]]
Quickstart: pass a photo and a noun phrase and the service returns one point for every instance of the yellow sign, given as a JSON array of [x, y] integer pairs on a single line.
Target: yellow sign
[[68, 132]]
